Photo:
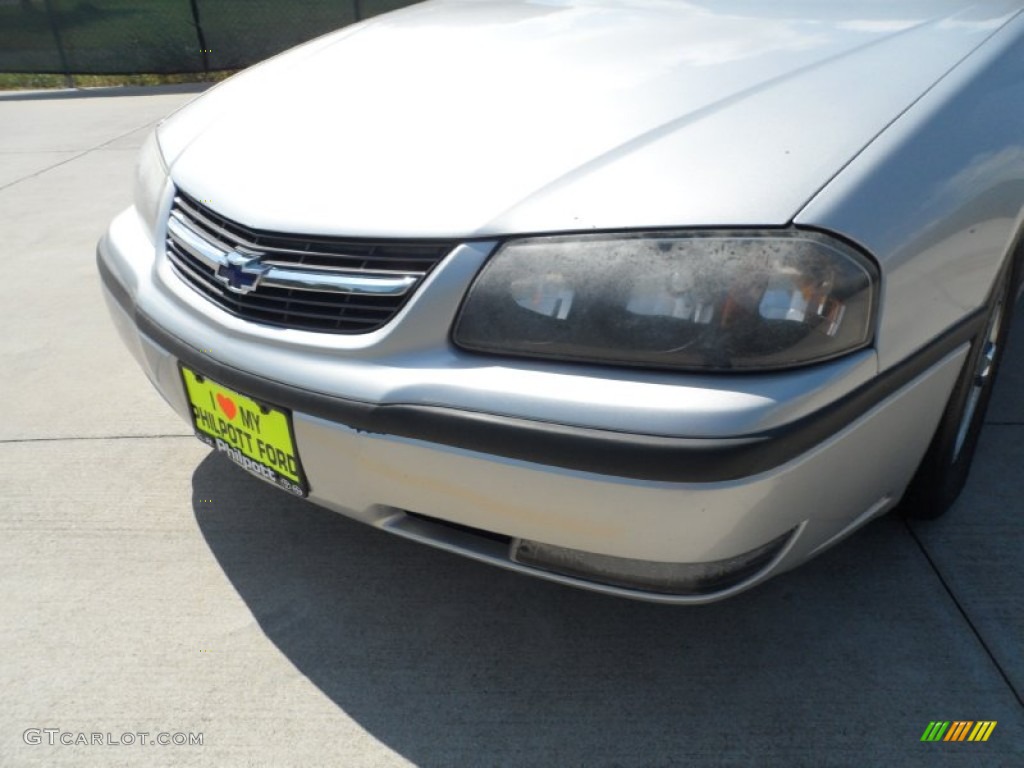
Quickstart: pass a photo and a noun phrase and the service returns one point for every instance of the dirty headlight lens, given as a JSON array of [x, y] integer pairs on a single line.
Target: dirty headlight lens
[[150, 177], [719, 301]]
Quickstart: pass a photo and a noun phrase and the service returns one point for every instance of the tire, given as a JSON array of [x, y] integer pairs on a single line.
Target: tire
[[943, 472]]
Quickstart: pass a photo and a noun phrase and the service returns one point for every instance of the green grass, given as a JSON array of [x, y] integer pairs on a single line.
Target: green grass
[[14, 81]]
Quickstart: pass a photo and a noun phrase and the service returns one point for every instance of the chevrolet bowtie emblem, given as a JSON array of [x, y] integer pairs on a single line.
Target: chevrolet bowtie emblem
[[242, 271]]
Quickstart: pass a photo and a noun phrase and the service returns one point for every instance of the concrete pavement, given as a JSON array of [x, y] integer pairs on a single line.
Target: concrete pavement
[[151, 587]]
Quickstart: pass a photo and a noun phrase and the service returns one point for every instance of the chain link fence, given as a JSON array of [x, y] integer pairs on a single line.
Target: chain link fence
[[121, 37]]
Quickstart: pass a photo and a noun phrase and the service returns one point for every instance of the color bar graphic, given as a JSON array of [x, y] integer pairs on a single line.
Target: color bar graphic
[[982, 730], [958, 730]]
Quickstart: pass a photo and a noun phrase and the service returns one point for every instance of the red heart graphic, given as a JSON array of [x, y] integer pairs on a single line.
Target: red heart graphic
[[227, 405]]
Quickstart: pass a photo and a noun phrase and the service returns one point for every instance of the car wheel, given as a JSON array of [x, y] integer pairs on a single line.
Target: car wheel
[[943, 471]]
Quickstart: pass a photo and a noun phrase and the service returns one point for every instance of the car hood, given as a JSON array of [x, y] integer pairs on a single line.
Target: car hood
[[474, 118]]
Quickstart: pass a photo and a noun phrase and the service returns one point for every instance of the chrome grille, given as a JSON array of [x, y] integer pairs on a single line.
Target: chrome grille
[[311, 283]]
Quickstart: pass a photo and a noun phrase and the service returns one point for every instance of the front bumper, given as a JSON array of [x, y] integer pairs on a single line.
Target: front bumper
[[473, 481]]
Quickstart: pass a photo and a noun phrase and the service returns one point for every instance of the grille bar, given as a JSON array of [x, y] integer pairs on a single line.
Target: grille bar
[[313, 283], [200, 272], [393, 256]]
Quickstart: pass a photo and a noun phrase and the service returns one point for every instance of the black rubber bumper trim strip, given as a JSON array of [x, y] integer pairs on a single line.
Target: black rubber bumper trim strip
[[116, 288], [604, 452]]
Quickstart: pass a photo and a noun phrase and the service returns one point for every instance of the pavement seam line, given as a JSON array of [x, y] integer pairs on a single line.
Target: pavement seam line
[[76, 157], [13, 440], [949, 591]]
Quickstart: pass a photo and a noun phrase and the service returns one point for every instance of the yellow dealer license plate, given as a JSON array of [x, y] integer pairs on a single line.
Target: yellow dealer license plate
[[256, 436]]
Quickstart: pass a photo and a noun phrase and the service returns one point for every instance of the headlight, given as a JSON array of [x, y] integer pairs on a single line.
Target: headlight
[[150, 177], [712, 300]]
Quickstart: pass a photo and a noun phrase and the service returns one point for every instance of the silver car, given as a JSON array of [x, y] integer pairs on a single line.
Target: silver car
[[655, 298]]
